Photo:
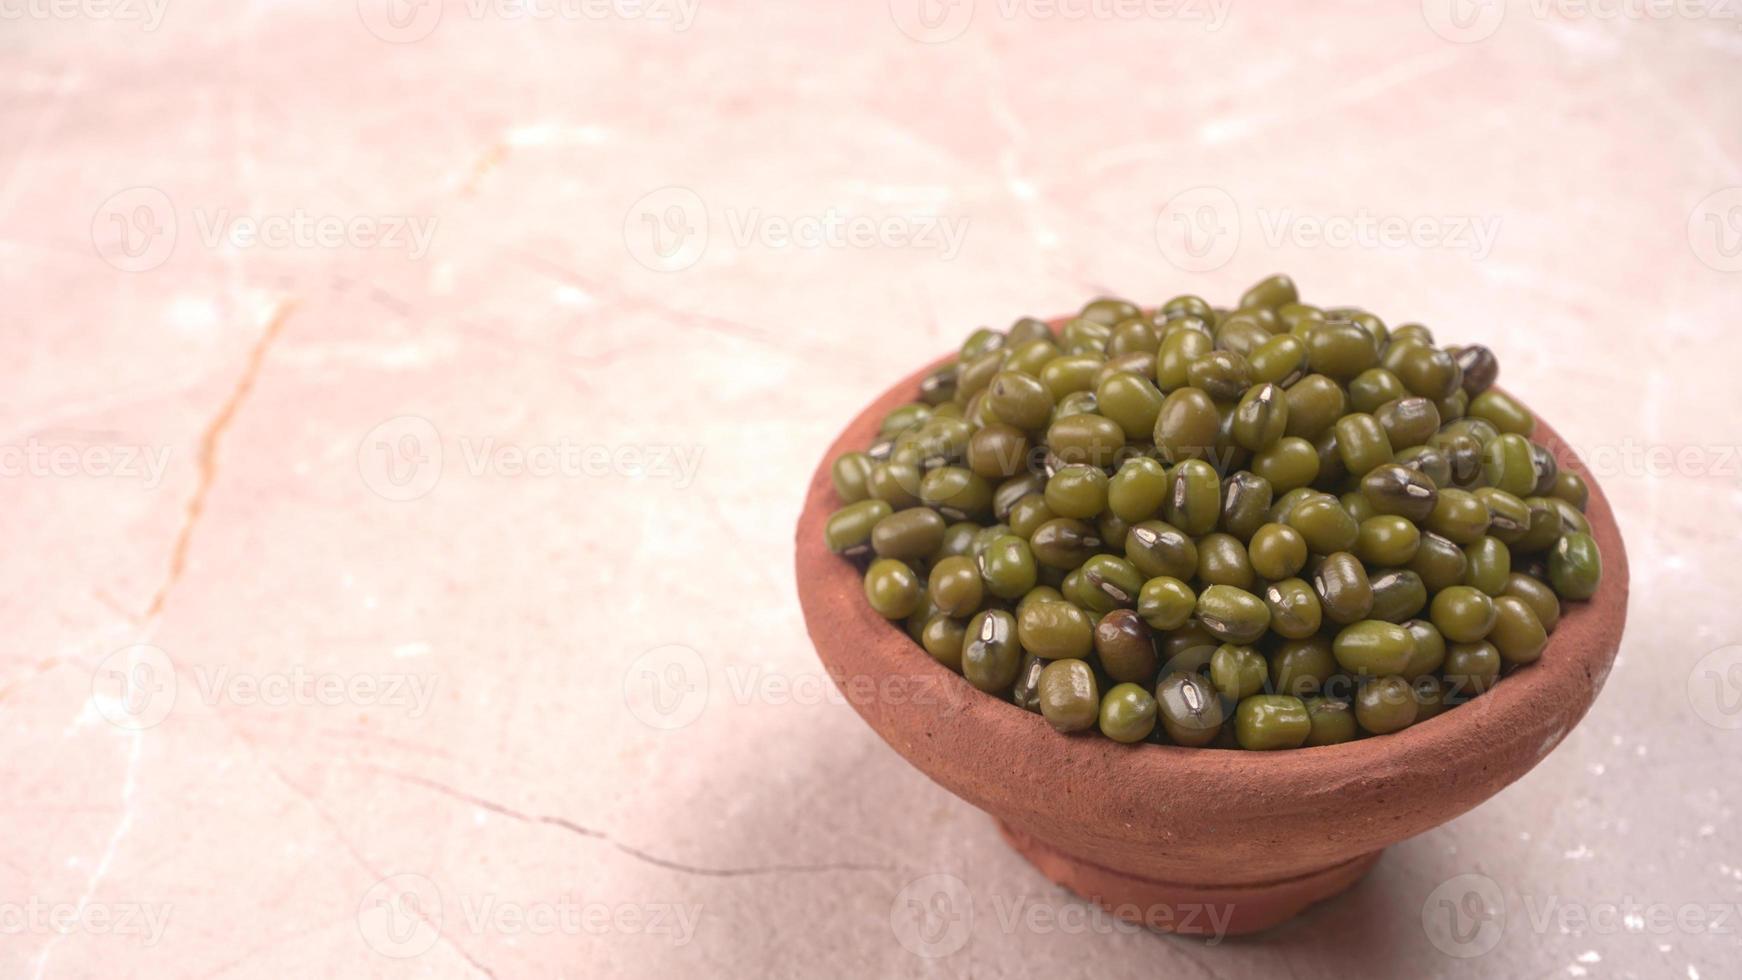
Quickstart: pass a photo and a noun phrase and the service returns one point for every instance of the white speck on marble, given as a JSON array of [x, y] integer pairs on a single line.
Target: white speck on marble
[[550, 134], [441, 279], [570, 296], [193, 314]]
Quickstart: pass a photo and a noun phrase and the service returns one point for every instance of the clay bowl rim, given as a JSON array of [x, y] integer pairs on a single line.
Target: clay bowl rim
[[1569, 675]]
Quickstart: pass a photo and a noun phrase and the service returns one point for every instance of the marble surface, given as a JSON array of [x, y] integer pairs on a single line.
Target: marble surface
[[410, 407]]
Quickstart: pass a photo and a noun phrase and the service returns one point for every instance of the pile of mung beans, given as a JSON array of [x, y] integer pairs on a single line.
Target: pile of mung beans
[[1264, 527]]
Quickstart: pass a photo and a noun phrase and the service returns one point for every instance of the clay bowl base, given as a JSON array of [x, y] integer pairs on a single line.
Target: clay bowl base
[[1190, 910]]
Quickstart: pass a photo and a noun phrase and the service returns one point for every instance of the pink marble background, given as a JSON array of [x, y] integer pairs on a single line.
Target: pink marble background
[[409, 408]]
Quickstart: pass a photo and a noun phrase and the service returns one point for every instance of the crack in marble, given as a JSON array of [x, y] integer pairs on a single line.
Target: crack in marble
[[349, 845], [208, 452], [129, 784], [590, 833]]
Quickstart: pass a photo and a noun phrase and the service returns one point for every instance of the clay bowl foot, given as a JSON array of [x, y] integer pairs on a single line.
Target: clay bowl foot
[[1186, 909]]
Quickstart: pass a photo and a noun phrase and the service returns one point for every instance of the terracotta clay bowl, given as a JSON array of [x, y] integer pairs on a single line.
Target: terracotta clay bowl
[[1162, 834]]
